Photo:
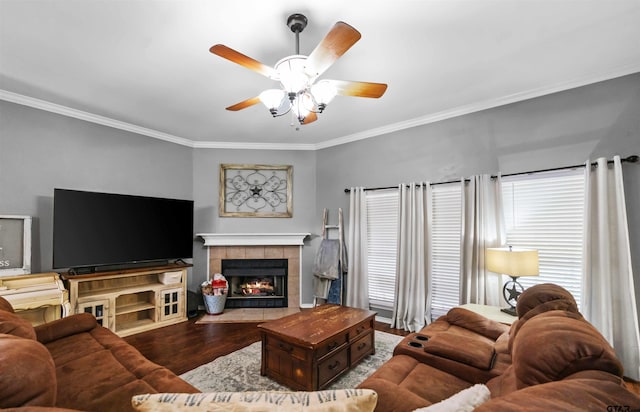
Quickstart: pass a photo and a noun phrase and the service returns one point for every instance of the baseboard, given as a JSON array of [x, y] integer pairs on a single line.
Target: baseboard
[[383, 319]]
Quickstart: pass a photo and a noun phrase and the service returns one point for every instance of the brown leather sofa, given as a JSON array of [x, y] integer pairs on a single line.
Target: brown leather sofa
[[551, 358], [73, 363]]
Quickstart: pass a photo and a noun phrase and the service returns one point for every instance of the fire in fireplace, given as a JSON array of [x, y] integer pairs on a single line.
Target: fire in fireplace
[[257, 287], [256, 283]]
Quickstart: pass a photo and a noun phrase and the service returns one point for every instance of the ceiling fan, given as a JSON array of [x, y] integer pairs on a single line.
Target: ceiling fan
[[300, 94]]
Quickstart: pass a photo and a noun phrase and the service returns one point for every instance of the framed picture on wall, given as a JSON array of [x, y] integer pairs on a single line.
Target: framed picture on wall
[[15, 245], [248, 190]]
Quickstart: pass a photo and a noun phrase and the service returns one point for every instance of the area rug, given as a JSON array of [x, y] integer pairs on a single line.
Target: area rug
[[240, 370], [247, 315]]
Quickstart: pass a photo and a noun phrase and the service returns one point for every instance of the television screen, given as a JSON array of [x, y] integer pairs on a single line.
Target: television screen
[[93, 229]]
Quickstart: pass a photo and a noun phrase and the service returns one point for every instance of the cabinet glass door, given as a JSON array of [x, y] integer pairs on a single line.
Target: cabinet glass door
[[171, 303], [99, 309]]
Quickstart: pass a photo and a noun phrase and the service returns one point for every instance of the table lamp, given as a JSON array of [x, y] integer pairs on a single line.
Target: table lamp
[[514, 263]]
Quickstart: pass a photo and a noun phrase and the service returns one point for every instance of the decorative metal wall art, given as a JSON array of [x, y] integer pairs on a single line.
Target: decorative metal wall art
[[255, 190]]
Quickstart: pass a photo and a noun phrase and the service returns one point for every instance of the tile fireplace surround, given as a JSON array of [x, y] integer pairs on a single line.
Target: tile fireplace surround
[[259, 246]]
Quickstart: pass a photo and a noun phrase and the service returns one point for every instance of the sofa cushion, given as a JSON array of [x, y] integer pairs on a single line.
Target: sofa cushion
[[474, 322], [346, 400], [403, 383], [536, 295], [12, 324], [27, 375], [539, 299], [122, 372], [557, 344], [414, 345], [5, 305], [474, 352], [51, 331]]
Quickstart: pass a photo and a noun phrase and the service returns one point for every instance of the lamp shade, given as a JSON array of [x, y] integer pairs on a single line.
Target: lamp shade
[[512, 261]]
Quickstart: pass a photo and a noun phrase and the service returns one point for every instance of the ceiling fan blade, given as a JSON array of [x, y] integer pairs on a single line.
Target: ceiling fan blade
[[244, 104], [311, 117], [239, 58], [335, 44], [359, 89]]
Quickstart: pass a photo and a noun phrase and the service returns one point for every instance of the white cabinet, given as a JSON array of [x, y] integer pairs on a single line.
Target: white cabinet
[[131, 301]]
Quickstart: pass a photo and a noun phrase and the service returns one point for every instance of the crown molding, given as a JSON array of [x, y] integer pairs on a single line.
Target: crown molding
[[391, 128], [90, 117], [254, 146], [483, 105]]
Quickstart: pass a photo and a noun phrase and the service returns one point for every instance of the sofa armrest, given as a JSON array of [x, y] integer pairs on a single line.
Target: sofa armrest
[[473, 352], [474, 322], [60, 328]]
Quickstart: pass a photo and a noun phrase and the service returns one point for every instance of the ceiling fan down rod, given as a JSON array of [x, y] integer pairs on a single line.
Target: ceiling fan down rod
[[297, 22]]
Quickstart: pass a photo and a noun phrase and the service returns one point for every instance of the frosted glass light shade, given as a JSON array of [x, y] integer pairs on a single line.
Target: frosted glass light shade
[[512, 261], [323, 92], [272, 98], [300, 110]]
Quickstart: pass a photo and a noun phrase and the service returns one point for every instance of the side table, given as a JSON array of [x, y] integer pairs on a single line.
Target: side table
[[490, 312]]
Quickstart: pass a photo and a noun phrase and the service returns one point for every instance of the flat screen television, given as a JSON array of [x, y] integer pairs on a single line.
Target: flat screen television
[[93, 230]]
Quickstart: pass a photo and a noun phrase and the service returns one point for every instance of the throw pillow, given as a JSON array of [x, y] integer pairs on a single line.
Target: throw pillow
[[345, 400], [464, 401]]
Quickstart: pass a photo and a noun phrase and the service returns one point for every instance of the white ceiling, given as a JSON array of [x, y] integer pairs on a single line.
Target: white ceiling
[[145, 66]]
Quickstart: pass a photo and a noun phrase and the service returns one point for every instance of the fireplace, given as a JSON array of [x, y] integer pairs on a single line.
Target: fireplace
[[256, 283], [258, 246]]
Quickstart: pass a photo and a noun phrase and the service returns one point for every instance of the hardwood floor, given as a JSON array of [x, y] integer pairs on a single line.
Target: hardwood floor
[[185, 346]]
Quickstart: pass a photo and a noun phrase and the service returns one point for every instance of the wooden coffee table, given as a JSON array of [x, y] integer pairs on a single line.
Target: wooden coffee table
[[310, 349]]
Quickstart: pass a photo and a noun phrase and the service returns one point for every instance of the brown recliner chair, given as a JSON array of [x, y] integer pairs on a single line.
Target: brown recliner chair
[[475, 348], [560, 362]]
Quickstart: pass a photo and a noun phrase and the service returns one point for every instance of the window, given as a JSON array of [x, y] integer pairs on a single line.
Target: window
[[542, 211], [445, 244], [382, 240], [382, 228], [545, 211]]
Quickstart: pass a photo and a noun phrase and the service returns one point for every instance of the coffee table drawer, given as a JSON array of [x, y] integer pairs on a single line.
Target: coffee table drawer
[[361, 348], [360, 329], [282, 346], [331, 367], [332, 345]]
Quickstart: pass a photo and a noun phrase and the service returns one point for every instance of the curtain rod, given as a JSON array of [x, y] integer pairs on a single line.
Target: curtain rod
[[628, 159]]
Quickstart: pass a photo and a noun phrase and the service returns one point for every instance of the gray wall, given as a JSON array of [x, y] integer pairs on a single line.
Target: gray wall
[[557, 130], [206, 169], [41, 150]]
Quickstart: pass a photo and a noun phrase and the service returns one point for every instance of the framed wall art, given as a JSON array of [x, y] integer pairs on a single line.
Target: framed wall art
[[255, 190]]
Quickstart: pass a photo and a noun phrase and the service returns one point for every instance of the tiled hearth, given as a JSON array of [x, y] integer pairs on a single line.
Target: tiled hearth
[[259, 246]]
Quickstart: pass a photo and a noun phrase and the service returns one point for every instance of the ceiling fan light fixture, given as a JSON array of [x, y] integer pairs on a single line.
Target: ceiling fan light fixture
[[323, 92], [297, 74], [273, 99], [298, 107], [290, 72]]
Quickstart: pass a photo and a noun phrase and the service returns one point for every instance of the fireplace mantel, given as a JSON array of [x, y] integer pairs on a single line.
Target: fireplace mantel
[[253, 239]]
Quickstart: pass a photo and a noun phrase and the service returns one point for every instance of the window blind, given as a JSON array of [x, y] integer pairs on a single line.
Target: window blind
[[382, 241], [446, 233], [545, 211]]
